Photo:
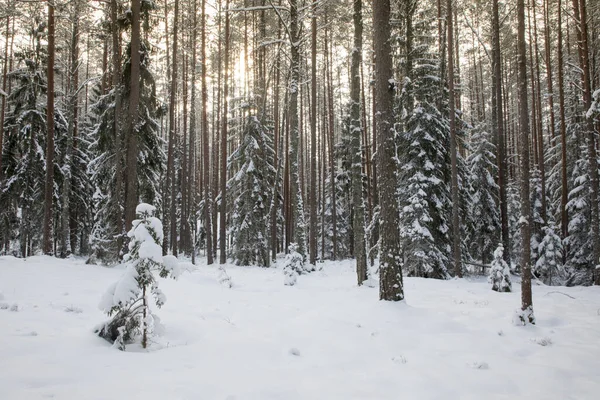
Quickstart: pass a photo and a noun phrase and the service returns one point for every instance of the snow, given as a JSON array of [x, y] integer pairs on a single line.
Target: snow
[[324, 338]]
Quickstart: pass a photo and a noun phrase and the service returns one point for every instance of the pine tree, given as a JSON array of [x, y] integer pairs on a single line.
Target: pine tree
[[424, 177], [549, 266], [126, 300], [24, 157], [484, 215], [294, 265], [252, 186], [499, 272]]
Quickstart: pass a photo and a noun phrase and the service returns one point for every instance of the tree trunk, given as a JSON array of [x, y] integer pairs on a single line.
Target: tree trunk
[[205, 147], [525, 220], [4, 80], [313, 141], [390, 257], [131, 199], [65, 234], [564, 217], [453, 146], [297, 206], [499, 128], [223, 215], [49, 187], [170, 241], [356, 132]]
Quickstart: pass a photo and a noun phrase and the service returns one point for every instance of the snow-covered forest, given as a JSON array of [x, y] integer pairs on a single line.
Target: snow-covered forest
[[290, 163]]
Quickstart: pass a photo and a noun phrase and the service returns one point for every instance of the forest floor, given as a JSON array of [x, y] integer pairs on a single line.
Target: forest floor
[[323, 339]]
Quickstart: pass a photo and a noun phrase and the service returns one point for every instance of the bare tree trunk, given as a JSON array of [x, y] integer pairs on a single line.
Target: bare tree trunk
[[499, 128], [525, 220], [313, 142], [170, 241], [453, 148], [297, 206], [4, 80], [192, 170], [205, 149], [65, 234], [564, 217], [356, 133], [223, 215], [49, 187], [134, 106], [390, 258]]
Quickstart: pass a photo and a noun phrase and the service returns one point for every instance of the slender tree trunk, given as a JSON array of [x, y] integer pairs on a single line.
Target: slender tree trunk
[[356, 132], [296, 204], [313, 141], [564, 217], [134, 105], [205, 147], [170, 241], [390, 257], [223, 215], [4, 80], [192, 207], [453, 146], [525, 220], [65, 235], [49, 187], [499, 128]]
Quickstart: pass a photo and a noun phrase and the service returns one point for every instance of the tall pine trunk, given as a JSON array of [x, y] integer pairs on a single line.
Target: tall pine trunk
[[525, 220], [356, 133], [390, 258], [49, 186]]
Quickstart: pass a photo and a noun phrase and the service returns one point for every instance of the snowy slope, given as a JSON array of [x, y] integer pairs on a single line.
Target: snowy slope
[[324, 339]]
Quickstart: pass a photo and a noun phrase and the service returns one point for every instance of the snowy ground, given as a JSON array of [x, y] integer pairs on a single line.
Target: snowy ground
[[323, 339]]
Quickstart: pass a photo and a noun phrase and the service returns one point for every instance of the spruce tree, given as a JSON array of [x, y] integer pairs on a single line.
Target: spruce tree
[[499, 272], [126, 300], [252, 186], [549, 266]]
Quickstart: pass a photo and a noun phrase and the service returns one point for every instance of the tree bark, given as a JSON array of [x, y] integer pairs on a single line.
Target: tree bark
[[564, 217], [131, 199], [223, 215], [525, 220], [49, 186], [499, 128], [453, 146], [205, 147], [356, 133], [313, 141], [390, 257]]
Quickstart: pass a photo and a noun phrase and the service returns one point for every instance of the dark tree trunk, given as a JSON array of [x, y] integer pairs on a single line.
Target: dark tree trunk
[[525, 220], [390, 257], [499, 127], [131, 199], [223, 214], [313, 142], [49, 187], [453, 146], [356, 133], [205, 147]]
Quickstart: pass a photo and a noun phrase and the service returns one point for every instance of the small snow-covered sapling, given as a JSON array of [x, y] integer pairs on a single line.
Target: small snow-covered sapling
[[294, 265], [500, 273], [126, 300]]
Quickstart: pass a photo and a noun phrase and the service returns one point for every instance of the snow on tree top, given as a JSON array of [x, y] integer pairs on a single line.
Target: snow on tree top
[[145, 208]]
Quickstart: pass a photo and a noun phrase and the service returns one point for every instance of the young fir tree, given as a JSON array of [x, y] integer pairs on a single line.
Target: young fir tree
[[549, 266], [252, 186], [535, 184], [127, 299], [500, 273], [293, 266], [484, 210]]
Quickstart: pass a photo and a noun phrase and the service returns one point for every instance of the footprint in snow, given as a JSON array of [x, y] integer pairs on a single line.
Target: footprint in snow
[[399, 360], [479, 365], [295, 352]]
